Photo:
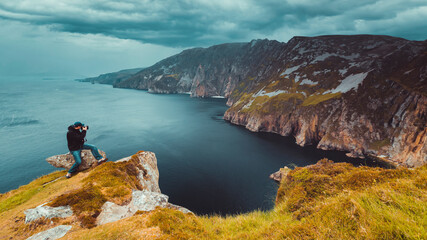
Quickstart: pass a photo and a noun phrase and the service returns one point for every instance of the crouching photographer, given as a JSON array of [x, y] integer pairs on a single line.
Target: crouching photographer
[[76, 143]]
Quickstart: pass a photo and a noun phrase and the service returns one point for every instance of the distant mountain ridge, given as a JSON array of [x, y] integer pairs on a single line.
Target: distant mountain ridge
[[112, 78], [364, 94]]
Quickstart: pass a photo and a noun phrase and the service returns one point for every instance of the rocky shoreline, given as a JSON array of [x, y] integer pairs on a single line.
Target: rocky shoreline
[[363, 94]]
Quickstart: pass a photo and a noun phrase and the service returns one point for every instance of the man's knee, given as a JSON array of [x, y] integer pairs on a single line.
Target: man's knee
[[89, 146], [77, 158]]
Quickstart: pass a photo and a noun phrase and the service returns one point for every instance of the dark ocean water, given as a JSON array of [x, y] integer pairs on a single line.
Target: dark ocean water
[[205, 163]]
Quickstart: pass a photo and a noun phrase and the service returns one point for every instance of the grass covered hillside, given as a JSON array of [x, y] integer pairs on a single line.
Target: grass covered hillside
[[322, 201]]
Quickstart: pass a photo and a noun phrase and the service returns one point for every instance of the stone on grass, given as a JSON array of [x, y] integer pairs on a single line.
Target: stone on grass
[[47, 212], [67, 160], [51, 234], [112, 212]]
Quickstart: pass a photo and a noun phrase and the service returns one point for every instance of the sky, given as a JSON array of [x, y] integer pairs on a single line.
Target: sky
[[82, 38]]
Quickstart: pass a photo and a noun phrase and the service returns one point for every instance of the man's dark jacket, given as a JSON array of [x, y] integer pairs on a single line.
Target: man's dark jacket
[[75, 138]]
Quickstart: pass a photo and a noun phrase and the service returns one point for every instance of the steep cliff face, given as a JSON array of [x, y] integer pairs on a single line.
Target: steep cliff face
[[205, 72], [53, 206], [362, 94], [112, 78]]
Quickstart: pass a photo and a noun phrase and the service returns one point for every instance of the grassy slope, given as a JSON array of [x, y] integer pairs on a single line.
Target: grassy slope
[[85, 193], [322, 201]]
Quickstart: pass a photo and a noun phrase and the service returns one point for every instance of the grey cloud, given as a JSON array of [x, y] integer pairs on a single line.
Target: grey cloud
[[199, 23]]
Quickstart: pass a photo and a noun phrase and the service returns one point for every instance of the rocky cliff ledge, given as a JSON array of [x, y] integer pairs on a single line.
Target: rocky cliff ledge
[[52, 206], [121, 200], [363, 94]]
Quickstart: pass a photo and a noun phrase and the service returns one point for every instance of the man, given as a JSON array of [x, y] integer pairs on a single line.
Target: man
[[76, 143]]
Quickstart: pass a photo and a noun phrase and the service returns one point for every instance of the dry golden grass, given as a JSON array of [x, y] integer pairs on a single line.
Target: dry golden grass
[[85, 192], [323, 201], [110, 181]]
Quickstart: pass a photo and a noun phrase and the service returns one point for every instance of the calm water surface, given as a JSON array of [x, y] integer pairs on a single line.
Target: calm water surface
[[205, 163]]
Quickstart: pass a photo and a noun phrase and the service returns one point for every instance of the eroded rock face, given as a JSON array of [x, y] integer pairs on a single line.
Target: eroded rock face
[[145, 200], [363, 94], [279, 175], [141, 201], [67, 160], [51, 234], [47, 212]]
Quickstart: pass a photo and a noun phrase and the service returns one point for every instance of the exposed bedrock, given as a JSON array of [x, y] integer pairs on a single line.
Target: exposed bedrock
[[364, 94]]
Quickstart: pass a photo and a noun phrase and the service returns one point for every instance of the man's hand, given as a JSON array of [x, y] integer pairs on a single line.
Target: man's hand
[[84, 128]]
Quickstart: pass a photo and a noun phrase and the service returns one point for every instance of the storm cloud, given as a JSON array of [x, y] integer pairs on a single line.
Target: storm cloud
[[189, 23]]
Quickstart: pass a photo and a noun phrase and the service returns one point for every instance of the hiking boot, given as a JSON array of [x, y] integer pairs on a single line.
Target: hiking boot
[[68, 175], [102, 160]]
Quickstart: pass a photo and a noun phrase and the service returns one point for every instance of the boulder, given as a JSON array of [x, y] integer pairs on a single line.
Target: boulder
[[47, 212], [141, 201], [279, 175], [67, 160], [112, 212], [51, 234], [145, 200]]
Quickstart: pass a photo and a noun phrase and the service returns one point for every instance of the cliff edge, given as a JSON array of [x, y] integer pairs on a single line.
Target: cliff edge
[[363, 94], [122, 200]]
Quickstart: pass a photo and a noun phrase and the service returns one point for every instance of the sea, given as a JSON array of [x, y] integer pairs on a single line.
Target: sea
[[206, 164]]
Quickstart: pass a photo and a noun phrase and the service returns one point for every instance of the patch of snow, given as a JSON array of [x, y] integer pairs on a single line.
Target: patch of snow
[[343, 71], [323, 57], [316, 73], [270, 94], [291, 70], [374, 45], [355, 64], [308, 82], [275, 93], [407, 72], [301, 51], [158, 78], [326, 55], [247, 105], [352, 56], [253, 43], [350, 82], [217, 97]]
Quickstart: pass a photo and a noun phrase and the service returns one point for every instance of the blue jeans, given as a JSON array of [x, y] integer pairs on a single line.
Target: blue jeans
[[76, 154]]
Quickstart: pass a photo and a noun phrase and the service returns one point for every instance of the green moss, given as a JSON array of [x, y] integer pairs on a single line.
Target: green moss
[[109, 182], [318, 98], [25, 193], [176, 76], [323, 201], [257, 105], [86, 203], [177, 223]]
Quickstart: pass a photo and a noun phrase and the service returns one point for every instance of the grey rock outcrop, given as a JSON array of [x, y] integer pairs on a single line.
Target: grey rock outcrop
[[67, 160], [47, 212], [51, 234], [141, 201], [363, 94], [279, 175], [145, 200]]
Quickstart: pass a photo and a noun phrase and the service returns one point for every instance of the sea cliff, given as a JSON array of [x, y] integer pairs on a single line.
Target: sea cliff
[[121, 200], [363, 94]]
